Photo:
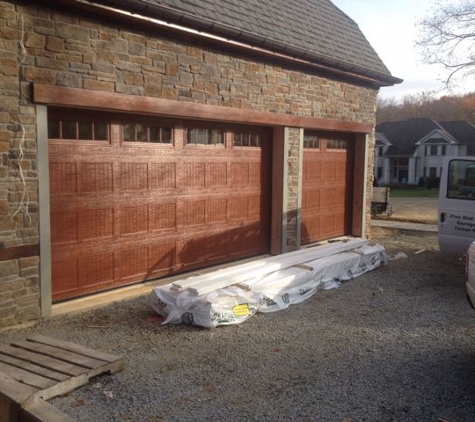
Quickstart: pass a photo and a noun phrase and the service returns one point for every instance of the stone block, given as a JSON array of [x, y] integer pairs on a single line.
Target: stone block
[[8, 312], [10, 285], [72, 80], [32, 282], [5, 297], [98, 85], [136, 48], [44, 76], [9, 34], [9, 67], [28, 272], [19, 293], [28, 314], [55, 44], [172, 69], [70, 32], [119, 45], [29, 262], [185, 79], [133, 78], [9, 268], [8, 321], [26, 300], [130, 89], [34, 40]]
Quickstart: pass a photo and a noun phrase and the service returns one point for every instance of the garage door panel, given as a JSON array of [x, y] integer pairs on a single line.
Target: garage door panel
[[192, 213], [193, 175], [162, 216], [216, 247], [329, 171], [327, 187], [95, 224], [134, 176], [96, 177], [130, 211], [63, 178], [216, 175], [311, 199], [133, 220], [191, 252], [216, 210], [162, 176], [327, 224], [162, 257], [65, 275], [239, 174], [131, 263], [94, 270], [64, 227], [237, 208]]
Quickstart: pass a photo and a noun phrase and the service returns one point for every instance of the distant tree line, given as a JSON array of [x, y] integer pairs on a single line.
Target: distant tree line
[[425, 104]]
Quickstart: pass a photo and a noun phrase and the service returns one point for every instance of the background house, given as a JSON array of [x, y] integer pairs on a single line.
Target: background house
[[141, 138], [413, 149]]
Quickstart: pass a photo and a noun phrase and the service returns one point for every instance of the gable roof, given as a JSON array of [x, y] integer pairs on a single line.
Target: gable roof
[[464, 132], [404, 135], [311, 30]]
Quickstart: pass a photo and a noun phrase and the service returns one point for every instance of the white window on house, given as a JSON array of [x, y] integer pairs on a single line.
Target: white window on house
[[432, 171], [311, 140], [443, 150], [380, 151], [431, 150], [400, 170]]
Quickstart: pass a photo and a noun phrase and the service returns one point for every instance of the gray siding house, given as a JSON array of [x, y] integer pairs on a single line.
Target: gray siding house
[[413, 149]]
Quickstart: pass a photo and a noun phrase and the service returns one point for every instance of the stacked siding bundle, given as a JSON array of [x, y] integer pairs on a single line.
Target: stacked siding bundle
[[234, 294]]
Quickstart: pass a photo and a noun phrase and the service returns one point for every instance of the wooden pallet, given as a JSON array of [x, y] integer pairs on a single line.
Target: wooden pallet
[[40, 368]]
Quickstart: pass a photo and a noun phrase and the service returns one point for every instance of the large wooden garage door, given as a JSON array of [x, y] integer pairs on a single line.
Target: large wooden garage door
[[327, 185], [133, 199]]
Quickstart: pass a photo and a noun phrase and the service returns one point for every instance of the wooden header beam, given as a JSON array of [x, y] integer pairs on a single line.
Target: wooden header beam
[[109, 101]]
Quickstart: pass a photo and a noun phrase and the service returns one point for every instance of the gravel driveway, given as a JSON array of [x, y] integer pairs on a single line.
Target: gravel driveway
[[397, 344]]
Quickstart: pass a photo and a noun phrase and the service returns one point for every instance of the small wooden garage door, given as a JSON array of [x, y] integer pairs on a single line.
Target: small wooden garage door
[[134, 199], [327, 185]]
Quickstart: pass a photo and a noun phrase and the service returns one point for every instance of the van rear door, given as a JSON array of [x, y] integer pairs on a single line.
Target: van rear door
[[457, 205]]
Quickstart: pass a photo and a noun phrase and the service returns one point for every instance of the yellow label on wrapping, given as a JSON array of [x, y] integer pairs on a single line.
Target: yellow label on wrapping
[[241, 310]]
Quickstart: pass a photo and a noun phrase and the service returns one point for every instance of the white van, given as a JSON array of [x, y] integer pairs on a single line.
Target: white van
[[457, 205]]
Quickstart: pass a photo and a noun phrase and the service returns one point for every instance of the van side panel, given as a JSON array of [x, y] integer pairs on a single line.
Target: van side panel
[[471, 274], [457, 205]]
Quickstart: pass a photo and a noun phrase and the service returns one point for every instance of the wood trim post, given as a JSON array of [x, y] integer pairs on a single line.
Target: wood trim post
[[360, 185], [44, 215], [277, 220], [285, 188], [300, 187]]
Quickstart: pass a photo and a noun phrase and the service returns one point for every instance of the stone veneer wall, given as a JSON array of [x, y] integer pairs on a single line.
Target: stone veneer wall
[[68, 50], [293, 170]]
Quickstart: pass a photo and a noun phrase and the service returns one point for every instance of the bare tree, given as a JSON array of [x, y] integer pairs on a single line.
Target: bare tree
[[425, 104], [447, 38]]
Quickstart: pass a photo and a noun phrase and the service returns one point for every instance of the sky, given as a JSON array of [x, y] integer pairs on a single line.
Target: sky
[[390, 28]]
